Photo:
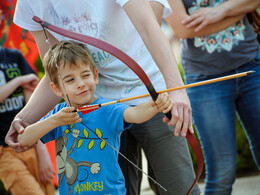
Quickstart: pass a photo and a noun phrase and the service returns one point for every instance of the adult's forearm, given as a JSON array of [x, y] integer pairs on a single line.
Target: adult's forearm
[[184, 33], [145, 22], [41, 102], [163, 56], [237, 7], [179, 14], [158, 10]]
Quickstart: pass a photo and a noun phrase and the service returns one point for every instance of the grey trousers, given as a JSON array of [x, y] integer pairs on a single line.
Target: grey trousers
[[168, 156]]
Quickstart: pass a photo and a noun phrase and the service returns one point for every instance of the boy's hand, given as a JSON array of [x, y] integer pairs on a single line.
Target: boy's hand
[[66, 116], [29, 81], [163, 103]]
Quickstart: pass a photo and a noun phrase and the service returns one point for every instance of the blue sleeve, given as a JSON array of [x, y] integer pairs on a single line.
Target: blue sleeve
[[116, 114]]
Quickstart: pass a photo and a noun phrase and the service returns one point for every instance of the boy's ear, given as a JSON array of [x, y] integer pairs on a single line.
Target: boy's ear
[[96, 76], [56, 90]]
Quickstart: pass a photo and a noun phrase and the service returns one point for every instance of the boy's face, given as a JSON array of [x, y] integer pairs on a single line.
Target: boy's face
[[80, 84]]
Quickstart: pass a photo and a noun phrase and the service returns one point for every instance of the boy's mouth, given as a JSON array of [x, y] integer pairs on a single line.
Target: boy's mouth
[[83, 92]]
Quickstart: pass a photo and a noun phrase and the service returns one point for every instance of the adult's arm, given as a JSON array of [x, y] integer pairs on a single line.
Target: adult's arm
[[237, 7], [158, 10], [145, 22], [179, 17], [42, 100], [43, 92], [205, 16]]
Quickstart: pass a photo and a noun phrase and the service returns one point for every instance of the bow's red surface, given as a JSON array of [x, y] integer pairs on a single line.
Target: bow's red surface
[[134, 67]]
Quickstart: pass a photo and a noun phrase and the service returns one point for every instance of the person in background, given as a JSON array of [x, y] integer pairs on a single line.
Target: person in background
[[14, 37], [29, 172], [131, 26], [217, 40]]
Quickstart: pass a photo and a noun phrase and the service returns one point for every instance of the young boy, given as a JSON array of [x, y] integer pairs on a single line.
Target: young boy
[[85, 162]]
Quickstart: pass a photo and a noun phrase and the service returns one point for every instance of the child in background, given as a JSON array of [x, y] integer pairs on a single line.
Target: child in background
[[85, 163], [31, 171]]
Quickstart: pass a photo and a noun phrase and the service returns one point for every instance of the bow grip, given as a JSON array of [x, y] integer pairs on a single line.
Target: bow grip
[[154, 96]]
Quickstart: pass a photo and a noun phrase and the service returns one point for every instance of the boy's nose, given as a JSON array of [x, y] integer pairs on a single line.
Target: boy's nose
[[80, 83]]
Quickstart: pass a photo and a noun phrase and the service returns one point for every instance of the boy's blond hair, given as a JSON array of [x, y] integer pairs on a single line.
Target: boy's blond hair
[[66, 53]]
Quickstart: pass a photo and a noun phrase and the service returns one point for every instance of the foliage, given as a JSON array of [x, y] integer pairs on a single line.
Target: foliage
[[2, 189], [39, 67]]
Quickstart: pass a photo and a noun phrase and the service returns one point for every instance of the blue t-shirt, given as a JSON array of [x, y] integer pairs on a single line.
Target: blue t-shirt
[[219, 52], [12, 64], [85, 163]]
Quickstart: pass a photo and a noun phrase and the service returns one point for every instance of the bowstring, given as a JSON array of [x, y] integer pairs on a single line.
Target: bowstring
[[56, 64], [67, 96]]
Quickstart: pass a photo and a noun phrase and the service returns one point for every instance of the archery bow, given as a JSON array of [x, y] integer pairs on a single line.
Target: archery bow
[[139, 72], [99, 137]]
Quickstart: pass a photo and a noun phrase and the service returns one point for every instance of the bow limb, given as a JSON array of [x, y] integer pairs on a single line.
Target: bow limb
[[135, 68]]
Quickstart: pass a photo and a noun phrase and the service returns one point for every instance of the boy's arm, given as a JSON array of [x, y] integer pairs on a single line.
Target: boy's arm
[[46, 171], [34, 132], [8, 88], [12, 85], [147, 110]]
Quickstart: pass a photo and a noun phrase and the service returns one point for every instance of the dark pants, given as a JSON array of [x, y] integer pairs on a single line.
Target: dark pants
[[168, 156]]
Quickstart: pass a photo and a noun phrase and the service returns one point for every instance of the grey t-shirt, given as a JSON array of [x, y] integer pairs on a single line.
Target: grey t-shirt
[[219, 52]]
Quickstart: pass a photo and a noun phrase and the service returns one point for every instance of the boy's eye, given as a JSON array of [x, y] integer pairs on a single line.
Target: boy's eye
[[69, 80], [86, 75]]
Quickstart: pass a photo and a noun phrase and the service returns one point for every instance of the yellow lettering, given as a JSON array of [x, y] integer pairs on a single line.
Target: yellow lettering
[[89, 186], [77, 189], [101, 187]]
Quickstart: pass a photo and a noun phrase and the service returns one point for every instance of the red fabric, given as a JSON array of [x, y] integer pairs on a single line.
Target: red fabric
[[12, 36], [51, 149]]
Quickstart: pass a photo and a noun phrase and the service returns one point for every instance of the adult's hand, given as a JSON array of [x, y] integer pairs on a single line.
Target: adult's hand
[[202, 17], [17, 127], [181, 113]]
